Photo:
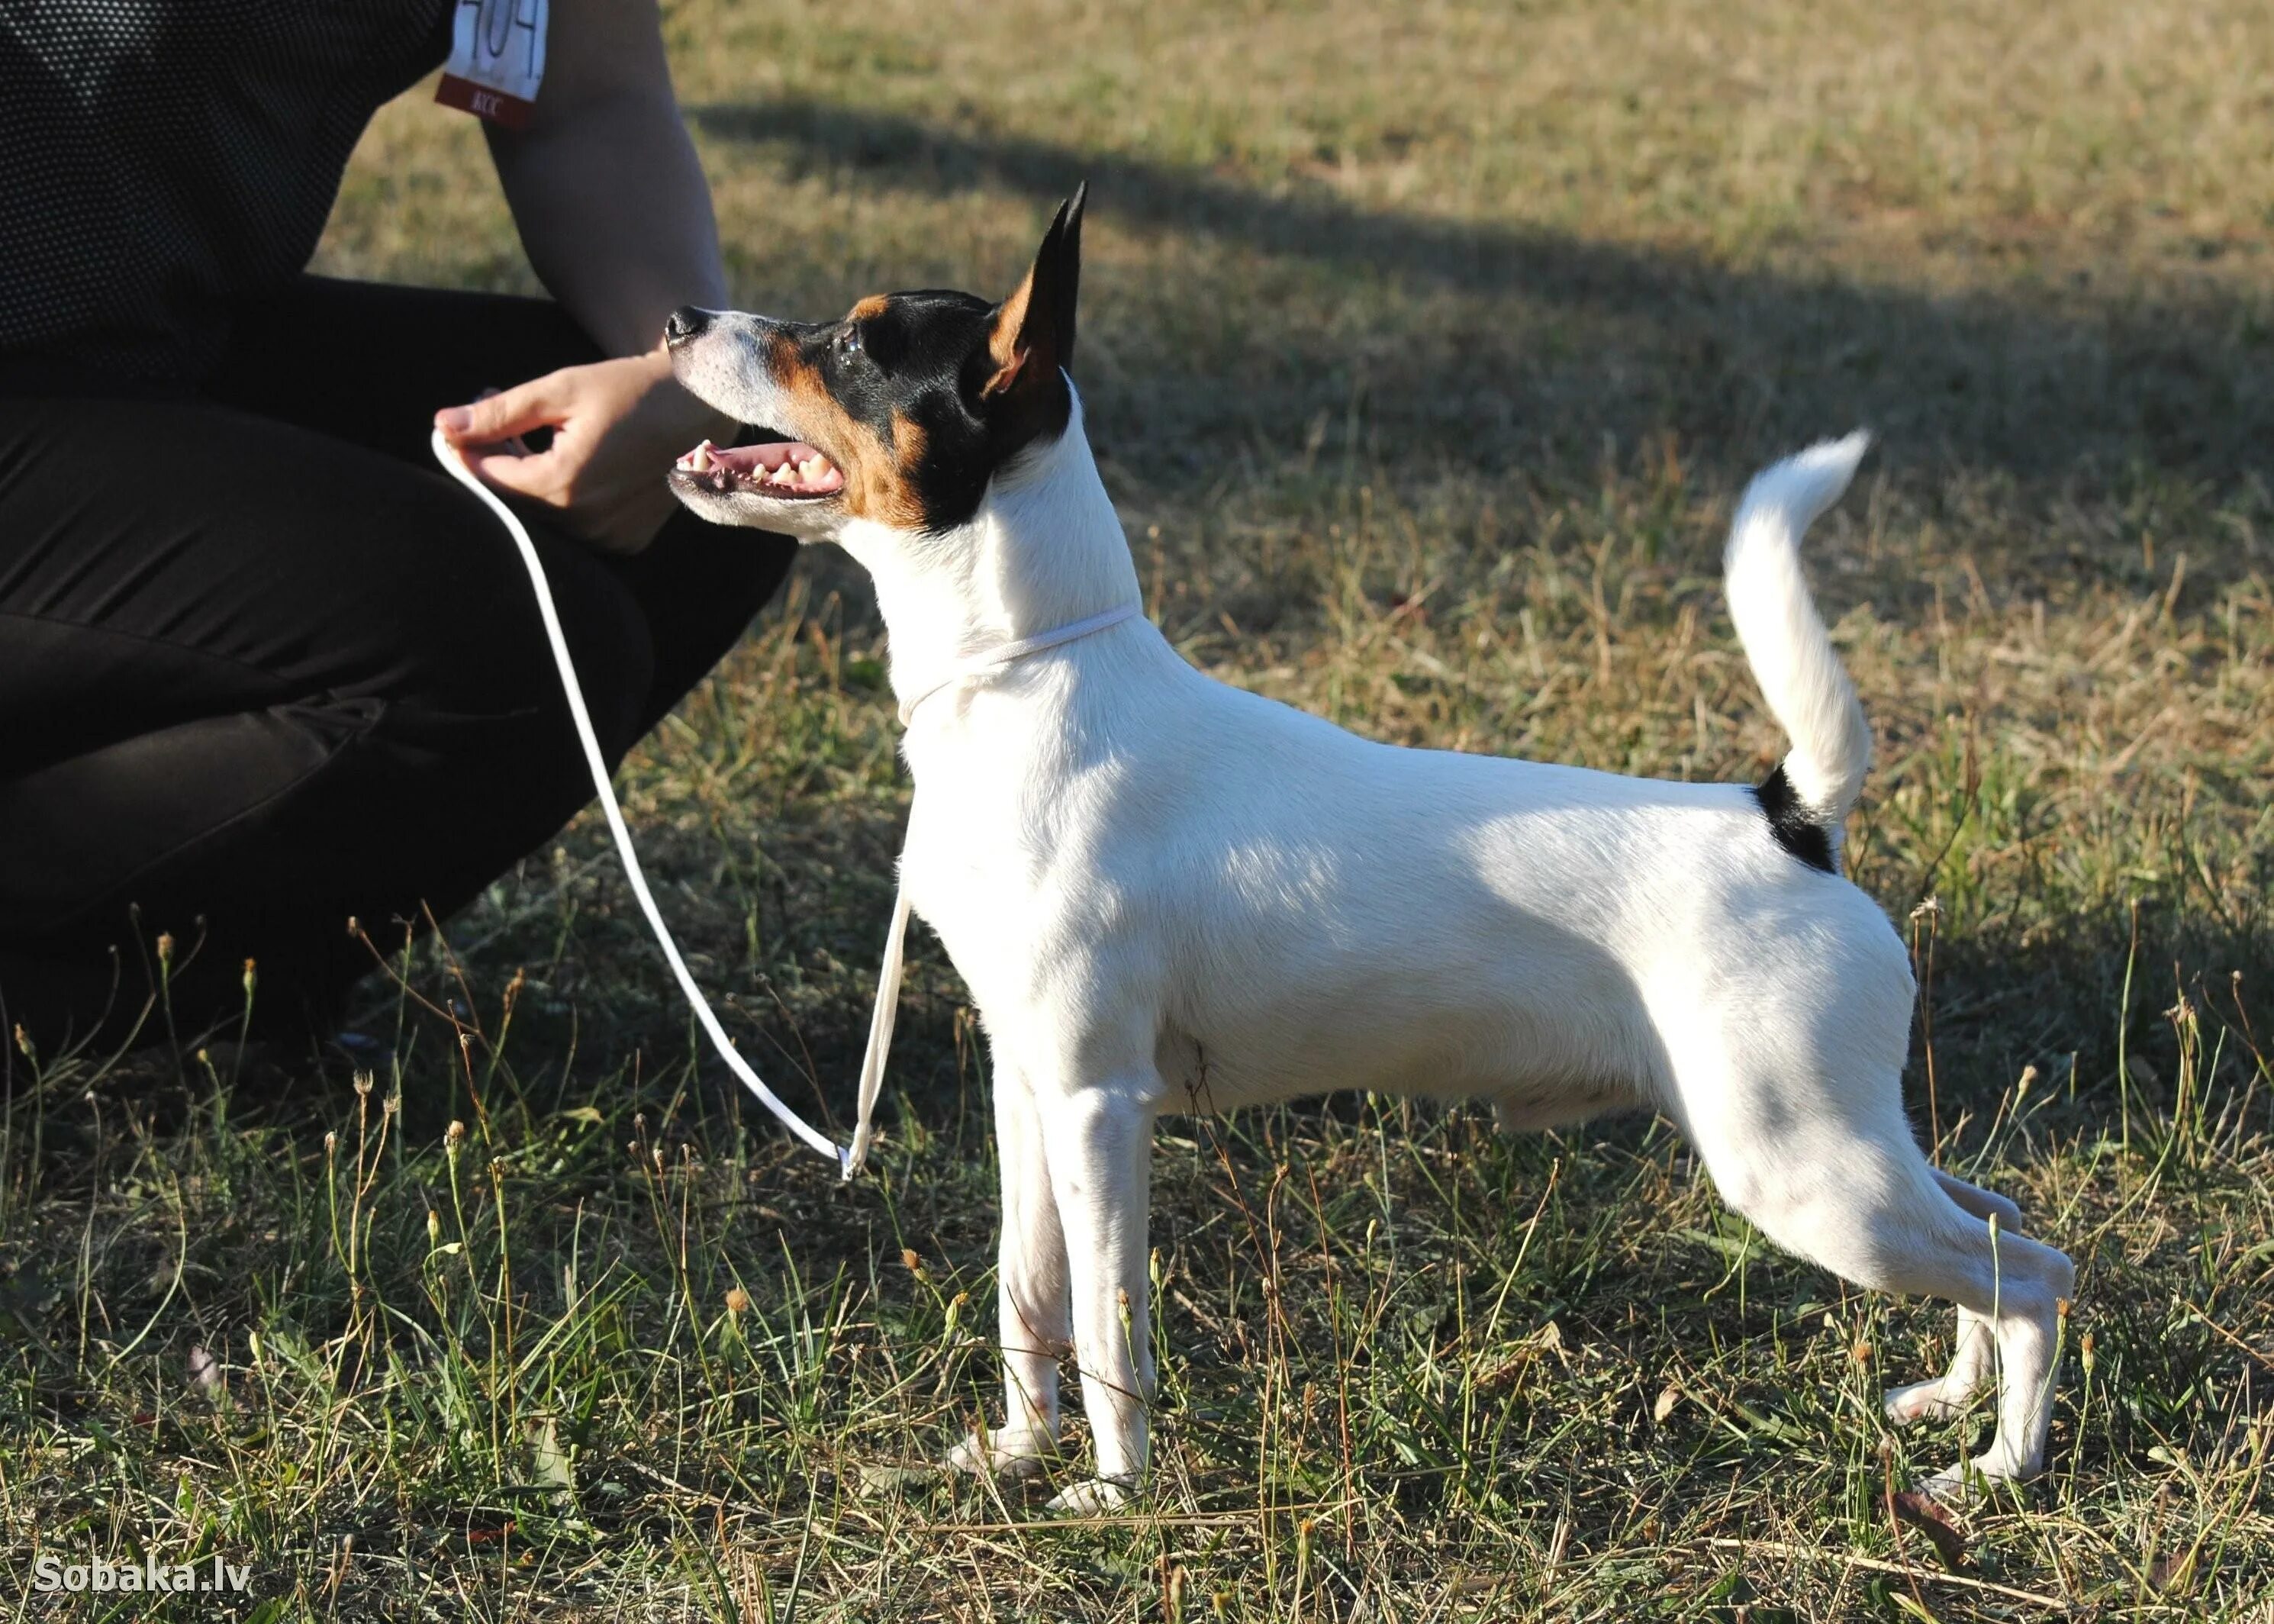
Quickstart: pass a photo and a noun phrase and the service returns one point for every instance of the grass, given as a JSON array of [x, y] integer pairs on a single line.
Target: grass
[[1426, 348]]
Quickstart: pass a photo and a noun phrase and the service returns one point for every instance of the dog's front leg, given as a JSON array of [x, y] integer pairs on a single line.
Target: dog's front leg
[[1099, 1141], [1035, 1321]]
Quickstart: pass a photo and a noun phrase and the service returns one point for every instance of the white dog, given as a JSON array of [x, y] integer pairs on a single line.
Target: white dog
[[1169, 895]]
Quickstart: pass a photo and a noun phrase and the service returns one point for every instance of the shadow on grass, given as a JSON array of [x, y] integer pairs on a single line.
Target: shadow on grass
[[2067, 995], [1579, 340]]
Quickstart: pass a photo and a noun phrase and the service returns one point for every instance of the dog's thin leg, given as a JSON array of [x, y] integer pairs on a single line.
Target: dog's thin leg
[[1100, 1142], [1842, 1183], [1974, 1365], [1947, 1395], [2028, 1342], [1035, 1315]]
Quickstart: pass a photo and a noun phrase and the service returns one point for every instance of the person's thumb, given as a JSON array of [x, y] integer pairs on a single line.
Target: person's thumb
[[500, 416]]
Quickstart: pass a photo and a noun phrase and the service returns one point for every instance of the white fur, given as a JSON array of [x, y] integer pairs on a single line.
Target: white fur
[[1168, 895]]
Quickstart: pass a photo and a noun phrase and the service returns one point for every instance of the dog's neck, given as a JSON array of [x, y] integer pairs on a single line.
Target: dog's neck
[[1044, 550]]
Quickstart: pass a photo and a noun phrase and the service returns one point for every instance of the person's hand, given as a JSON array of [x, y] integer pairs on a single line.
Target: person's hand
[[617, 428]]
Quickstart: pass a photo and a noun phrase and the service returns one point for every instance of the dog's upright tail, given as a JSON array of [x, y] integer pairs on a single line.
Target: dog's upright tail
[[1807, 796]]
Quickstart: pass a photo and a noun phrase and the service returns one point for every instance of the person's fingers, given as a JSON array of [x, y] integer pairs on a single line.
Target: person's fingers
[[536, 477], [618, 522], [514, 443], [532, 405]]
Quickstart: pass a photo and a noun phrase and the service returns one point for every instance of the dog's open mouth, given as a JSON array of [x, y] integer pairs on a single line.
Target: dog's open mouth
[[789, 470]]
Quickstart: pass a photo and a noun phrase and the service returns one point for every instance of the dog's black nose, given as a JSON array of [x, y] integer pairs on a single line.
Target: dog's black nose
[[684, 323]]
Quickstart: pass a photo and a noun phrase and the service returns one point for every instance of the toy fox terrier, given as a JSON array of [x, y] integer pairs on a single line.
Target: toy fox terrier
[[1168, 895]]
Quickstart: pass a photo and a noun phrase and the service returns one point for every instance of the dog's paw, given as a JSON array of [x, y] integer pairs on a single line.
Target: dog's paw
[[1922, 1400], [1954, 1485], [1014, 1452], [1091, 1498], [1970, 1483]]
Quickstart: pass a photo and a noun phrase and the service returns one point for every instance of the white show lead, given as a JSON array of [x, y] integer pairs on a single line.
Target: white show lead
[[849, 1158]]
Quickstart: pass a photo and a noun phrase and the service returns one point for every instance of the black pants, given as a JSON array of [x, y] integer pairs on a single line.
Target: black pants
[[263, 667]]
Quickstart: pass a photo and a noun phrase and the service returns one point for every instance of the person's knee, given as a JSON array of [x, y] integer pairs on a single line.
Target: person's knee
[[522, 686], [511, 726], [473, 653]]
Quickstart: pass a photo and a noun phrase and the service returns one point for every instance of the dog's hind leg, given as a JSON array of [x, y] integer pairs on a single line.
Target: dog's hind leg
[[1036, 1324], [1974, 1365], [1099, 1140], [1828, 1168]]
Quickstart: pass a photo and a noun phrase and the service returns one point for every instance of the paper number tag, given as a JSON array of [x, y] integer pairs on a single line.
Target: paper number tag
[[497, 59]]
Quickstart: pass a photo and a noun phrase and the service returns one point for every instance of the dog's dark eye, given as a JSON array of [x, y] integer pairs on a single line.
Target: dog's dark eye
[[848, 344]]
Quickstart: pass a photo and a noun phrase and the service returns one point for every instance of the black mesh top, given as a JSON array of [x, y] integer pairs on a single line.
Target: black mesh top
[[163, 159]]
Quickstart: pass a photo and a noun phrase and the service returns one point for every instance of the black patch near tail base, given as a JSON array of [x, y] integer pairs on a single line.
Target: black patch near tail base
[[1790, 822]]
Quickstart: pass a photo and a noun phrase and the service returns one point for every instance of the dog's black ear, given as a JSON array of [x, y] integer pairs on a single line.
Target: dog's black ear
[[1031, 336]]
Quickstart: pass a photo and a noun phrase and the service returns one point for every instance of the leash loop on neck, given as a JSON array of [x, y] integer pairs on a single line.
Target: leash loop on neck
[[1006, 653]]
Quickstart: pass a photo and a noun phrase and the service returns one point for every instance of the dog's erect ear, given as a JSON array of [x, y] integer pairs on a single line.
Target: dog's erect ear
[[1031, 336]]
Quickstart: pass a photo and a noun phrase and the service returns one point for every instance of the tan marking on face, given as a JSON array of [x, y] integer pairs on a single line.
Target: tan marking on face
[[879, 473], [874, 305]]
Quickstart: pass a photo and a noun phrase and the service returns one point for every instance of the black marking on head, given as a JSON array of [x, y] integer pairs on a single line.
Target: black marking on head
[[932, 393], [1794, 827], [880, 392]]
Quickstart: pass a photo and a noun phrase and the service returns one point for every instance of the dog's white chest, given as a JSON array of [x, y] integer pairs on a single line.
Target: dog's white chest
[[962, 892], [977, 869]]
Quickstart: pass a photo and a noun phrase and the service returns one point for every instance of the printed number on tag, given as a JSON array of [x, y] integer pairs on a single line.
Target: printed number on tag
[[497, 59]]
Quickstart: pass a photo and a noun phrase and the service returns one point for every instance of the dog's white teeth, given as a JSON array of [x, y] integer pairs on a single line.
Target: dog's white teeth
[[698, 460], [783, 474]]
